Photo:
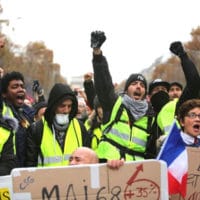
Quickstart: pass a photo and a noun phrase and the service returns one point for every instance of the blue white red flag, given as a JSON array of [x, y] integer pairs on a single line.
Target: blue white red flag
[[174, 153]]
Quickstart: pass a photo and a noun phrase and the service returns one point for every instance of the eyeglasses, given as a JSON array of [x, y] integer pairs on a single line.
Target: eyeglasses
[[193, 115]]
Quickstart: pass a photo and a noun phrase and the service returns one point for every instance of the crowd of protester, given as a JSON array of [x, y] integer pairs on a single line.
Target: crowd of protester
[[96, 124]]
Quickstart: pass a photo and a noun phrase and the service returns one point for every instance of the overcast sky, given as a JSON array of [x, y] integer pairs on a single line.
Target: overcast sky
[[137, 32]]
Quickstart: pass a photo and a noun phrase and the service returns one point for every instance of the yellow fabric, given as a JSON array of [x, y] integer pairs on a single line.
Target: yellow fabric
[[7, 111], [4, 135], [132, 138], [97, 133], [51, 149], [166, 116]]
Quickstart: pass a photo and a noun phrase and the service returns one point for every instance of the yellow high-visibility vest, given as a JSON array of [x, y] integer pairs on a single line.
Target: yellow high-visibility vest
[[51, 150]]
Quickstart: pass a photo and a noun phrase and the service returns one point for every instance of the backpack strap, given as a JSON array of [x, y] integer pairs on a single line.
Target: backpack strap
[[123, 150], [117, 118]]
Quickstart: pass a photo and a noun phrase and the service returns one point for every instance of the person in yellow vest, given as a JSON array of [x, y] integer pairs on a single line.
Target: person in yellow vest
[[158, 97], [8, 159], [13, 94], [168, 111], [191, 90], [93, 124], [52, 139], [126, 118]]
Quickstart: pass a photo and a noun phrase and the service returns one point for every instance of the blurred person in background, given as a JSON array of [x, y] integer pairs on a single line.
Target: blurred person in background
[[175, 90], [40, 103], [94, 121], [83, 109]]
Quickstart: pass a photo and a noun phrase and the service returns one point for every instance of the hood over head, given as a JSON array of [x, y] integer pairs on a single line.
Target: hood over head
[[58, 94]]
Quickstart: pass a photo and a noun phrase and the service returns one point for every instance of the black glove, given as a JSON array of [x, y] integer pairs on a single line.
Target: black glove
[[37, 88], [35, 85], [97, 39], [177, 48]]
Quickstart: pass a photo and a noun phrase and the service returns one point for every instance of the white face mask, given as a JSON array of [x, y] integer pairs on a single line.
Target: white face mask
[[62, 118]]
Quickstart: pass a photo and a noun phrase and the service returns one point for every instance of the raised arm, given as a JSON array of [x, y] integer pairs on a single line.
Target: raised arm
[[102, 78], [192, 87]]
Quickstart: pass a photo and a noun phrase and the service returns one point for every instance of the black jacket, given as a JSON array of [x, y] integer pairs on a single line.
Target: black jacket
[[104, 86], [25, 117], [192, 78], [90, 93], [190, 91]]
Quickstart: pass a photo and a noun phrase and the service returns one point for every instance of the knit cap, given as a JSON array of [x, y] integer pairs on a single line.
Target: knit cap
[[135, 77]]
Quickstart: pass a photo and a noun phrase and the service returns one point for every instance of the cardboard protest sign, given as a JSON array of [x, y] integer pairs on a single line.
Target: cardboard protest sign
[[139, 180], [193, 179], [6, 188]]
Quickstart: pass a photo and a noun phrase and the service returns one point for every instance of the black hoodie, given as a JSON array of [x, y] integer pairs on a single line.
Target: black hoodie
[[58, 93]]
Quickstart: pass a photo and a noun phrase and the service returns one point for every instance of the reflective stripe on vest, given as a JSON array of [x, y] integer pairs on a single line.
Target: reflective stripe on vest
[[133, 138], [126, 137], [50, 148], [53, 160]]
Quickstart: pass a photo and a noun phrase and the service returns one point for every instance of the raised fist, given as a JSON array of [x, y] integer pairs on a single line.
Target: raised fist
[[35, 85], [37, 88], [88, 76], [177, 48], [97, 39]]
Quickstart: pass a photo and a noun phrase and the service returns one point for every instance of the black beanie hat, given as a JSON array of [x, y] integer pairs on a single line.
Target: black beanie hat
[[135, 77]]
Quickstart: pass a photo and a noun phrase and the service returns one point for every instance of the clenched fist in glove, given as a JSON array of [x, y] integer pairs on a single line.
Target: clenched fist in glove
[[37, 88], [177, 48], [97, 39]]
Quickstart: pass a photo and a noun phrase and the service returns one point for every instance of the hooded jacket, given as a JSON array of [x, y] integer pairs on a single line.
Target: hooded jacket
[[58, 93]]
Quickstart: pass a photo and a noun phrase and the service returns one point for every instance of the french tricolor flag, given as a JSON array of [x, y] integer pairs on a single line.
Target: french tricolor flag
[[174, 153]]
